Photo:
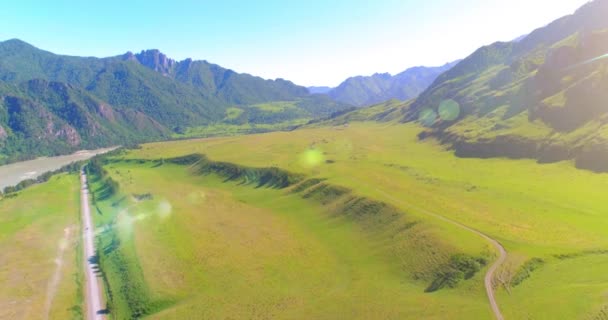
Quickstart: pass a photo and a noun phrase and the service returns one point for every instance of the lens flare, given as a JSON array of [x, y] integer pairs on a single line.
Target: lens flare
[[125, 222], [128, 217], [164, 209], [427, 117], [449, 110], [604, 56], [312, 157]]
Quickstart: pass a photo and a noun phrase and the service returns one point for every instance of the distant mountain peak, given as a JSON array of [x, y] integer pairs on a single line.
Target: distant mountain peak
[[384, 75], [153, 59], [129, 56], [379, 87], [16, 44], [15, 41]]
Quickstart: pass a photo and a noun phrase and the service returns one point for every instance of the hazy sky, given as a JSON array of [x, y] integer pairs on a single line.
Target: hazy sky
[[315, 42]]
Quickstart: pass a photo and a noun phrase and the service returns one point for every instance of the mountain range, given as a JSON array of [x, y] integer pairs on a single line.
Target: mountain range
[[542, 97], [367, 90], [52, 104]]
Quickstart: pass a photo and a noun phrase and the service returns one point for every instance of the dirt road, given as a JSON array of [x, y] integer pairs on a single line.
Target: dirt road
[[92, 292], [489, 277]]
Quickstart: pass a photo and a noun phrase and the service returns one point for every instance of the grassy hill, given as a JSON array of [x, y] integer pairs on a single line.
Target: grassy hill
[[542, 97]]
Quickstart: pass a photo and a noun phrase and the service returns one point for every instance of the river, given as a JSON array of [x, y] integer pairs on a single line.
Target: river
[[12, 174]]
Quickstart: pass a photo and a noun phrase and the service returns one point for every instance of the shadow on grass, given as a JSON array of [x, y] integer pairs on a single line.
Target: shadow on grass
[[104, 192], [94, 262]]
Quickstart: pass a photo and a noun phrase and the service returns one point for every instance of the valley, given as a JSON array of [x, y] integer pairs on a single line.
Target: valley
[[470, 190]]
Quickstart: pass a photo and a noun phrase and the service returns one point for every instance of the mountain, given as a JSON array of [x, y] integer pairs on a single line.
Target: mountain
[[229, 86], [362, 90], [319, 90], [541, 97], [51, 117], [52, 104]]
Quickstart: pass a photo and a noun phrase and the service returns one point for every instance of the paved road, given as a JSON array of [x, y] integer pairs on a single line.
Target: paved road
[[93, 294], [488, 280]]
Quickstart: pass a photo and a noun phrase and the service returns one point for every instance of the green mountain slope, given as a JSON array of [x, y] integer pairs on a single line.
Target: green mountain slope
[[52, 104], [216, 81], [543, 97], [361, 91], [41, 117]]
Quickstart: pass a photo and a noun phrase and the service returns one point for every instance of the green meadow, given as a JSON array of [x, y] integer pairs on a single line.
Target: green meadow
[[40, 252], [223, 129], [200, 245], [278, 106], [550, 218]]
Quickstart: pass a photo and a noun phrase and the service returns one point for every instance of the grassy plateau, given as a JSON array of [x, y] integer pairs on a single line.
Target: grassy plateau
[[352, 232]]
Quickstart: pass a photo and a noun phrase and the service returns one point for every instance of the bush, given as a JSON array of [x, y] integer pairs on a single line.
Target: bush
[[468, 265], [446, 279], [109, 187], [526, 270], [10, 189], [461, 267]]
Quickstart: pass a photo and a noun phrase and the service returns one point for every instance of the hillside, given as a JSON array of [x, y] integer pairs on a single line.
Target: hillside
[[542, 97], [362, 90], [375, 181], [51, 104]]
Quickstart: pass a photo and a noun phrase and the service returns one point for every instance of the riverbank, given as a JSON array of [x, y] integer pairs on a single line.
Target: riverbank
[[12, 174]]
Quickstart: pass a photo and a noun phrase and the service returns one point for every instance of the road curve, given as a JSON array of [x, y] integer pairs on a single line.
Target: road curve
[[490, 275], [92, 294], [502, 253]]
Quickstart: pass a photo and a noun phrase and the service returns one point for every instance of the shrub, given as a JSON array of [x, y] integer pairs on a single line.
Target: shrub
[[525, 271], [461, 267]]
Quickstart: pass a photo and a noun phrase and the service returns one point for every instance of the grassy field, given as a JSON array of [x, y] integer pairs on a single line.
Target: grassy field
[[551, 212], [278, 106], [197, 245], [40, 252], [222, 129]]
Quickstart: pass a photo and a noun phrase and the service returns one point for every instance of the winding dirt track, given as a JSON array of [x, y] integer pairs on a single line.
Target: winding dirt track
[[502, 253], [92, 294]]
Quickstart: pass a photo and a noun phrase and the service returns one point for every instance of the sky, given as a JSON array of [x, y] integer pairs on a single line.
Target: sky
[[314, 42]]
